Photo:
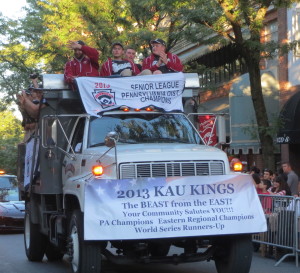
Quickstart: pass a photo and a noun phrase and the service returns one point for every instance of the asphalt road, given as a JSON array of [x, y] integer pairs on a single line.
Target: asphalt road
[[13, 260]]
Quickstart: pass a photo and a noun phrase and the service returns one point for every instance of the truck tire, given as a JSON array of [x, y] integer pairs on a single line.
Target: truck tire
[[85, 257], [234, 254], [53, 253], [34, 241], [159, 250]]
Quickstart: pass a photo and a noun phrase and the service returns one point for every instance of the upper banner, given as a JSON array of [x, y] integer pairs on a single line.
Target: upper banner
[[102, 94], [171, 207]]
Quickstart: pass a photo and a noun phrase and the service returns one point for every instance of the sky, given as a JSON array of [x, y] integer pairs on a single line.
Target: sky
[[12, 8]]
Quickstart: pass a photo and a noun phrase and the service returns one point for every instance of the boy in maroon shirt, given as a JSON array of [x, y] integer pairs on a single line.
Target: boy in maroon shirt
[[117, 65], [160, 61], [83, 64]]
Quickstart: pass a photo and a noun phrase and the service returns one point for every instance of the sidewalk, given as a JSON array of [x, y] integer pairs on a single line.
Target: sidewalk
[[265, 265]]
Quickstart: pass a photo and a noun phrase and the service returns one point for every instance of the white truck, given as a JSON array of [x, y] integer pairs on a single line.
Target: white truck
[[130, 183]]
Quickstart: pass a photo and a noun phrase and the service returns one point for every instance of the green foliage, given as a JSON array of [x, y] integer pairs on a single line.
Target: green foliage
[[37, 42], [11, 133]]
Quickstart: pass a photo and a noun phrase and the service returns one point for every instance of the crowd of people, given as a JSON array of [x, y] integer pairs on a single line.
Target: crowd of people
[[276, 190], [285, 182]]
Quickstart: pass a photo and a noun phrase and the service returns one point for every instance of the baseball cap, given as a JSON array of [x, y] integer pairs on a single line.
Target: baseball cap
[[158, 41], [117, 43], [80, 42]]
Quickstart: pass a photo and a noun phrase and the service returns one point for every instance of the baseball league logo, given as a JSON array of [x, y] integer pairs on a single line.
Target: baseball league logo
[[105, 97]]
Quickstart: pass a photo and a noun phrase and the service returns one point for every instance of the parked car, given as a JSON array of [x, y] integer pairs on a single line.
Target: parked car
[[12, 209]]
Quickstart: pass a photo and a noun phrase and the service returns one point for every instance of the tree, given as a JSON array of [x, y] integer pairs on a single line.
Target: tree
[[241, 23], [11, 133], [37, 42], [49, 24]]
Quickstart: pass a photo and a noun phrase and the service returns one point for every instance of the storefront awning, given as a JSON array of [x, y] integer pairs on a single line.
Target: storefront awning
[[195, 53], [244, 135], [219, 57], [219, 105]]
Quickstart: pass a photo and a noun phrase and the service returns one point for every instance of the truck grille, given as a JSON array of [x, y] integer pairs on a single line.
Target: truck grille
[[165, 169]]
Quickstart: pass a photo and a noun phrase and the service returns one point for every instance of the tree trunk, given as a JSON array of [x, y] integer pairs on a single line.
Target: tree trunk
[[252, 58]]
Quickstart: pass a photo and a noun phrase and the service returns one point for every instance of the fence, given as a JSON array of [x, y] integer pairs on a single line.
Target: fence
[[283, 233]]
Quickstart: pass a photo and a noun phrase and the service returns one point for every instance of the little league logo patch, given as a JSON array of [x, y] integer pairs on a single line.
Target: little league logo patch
[[105, 97]]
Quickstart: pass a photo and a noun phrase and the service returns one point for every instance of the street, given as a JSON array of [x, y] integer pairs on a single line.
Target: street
[[14, 260]]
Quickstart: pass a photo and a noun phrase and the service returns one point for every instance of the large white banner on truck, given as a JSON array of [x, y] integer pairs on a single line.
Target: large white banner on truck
[[171, 207], [102, 94]]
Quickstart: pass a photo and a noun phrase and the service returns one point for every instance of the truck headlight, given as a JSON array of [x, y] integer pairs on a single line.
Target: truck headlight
[[97, 170], [238, 166]]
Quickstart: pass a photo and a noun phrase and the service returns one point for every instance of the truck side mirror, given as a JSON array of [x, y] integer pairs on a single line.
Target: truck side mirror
[[49, 132], [111, 139]]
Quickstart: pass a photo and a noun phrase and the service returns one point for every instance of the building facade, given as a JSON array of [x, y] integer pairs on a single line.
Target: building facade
[[224, 87]]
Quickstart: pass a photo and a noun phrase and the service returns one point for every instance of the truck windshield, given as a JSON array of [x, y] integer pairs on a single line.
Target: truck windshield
[[143, 128]]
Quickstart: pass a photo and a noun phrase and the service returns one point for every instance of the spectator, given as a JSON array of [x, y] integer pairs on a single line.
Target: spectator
[[161, 61], [281, 173], [280, 187], [268, 174], [130, 54], [273, 176], [266, 202], [257, 182], [117, 65], [292, 178], [84, 63], [254, 169]]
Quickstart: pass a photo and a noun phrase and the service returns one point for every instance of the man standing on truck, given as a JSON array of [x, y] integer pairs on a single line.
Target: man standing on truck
[[117, 65], [84, 63], [161, 61], [30, 103]]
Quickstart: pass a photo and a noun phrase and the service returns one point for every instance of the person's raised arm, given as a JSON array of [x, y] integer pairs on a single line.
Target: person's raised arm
[[90, 52]]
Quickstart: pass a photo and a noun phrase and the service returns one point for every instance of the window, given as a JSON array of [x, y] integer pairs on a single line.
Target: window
[[77, 139], [270, 34], [143, 128], [296, 31]]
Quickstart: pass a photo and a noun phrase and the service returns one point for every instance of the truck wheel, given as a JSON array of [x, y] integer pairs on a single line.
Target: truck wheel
[[85, 257], [234, 254], [34, 241], [53, 253]]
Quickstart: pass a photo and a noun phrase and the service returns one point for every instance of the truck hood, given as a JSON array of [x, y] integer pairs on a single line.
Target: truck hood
[[12, 208], [164, 152]]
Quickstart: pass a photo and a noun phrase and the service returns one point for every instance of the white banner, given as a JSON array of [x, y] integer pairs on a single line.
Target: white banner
[[102, 94], [29, 159], [171, 207]]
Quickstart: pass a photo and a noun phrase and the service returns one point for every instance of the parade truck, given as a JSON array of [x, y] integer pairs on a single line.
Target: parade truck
[[116, 171]]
